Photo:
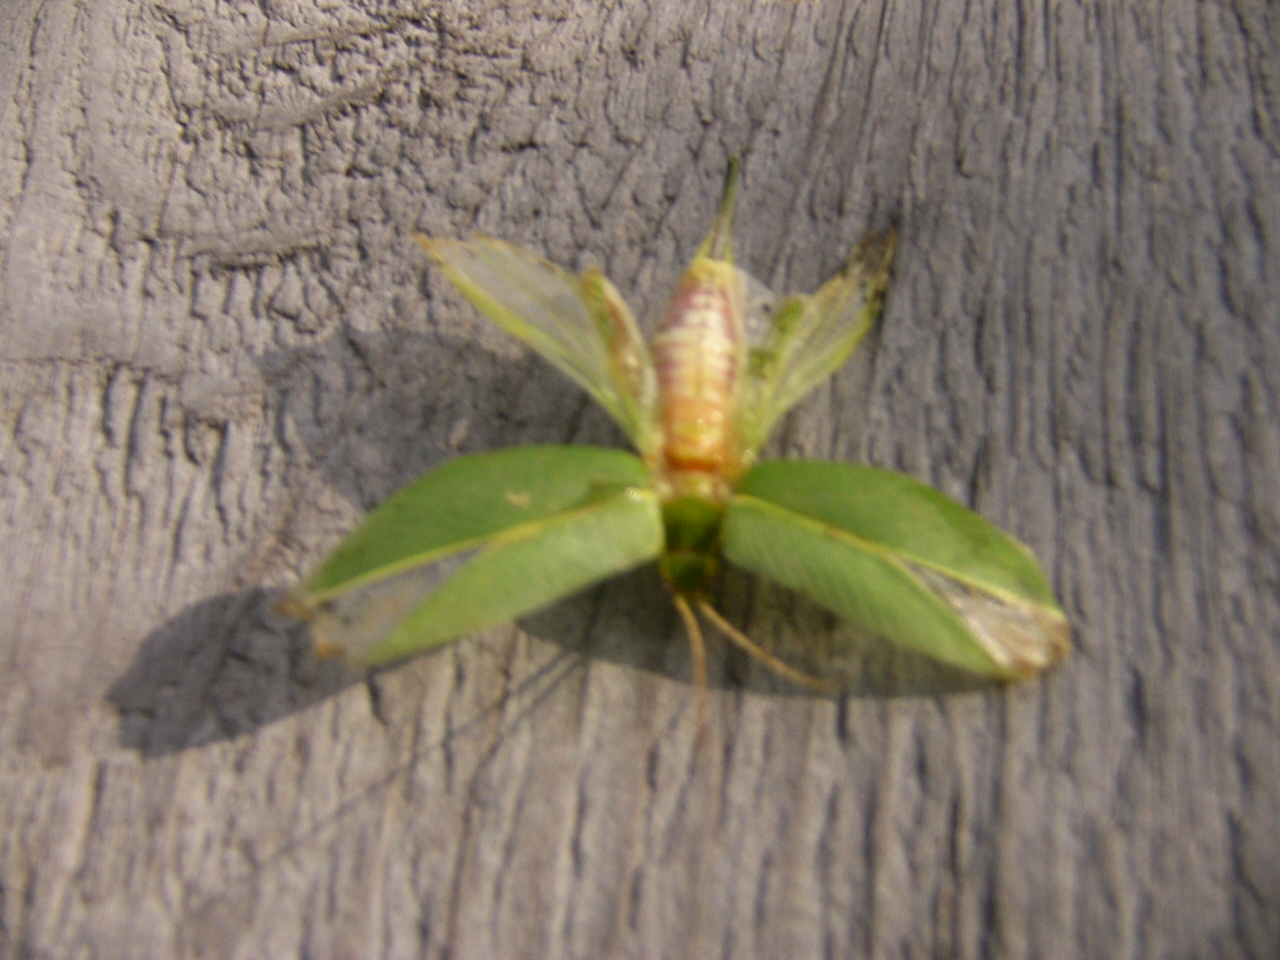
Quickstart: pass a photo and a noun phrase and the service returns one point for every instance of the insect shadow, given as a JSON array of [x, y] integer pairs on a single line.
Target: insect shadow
[[231, 664], [630, 621], [223, 667], [369, 412]]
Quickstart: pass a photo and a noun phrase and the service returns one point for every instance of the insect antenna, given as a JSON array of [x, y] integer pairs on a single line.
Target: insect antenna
[[698, 650], [746, 644]]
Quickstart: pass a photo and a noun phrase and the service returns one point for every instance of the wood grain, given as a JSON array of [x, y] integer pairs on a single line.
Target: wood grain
[[219, 345]]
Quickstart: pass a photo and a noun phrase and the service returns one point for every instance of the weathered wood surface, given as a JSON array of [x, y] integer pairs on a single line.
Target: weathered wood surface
[[219, 345]]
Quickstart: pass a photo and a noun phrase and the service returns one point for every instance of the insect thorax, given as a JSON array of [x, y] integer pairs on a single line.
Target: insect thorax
[[691, 558]]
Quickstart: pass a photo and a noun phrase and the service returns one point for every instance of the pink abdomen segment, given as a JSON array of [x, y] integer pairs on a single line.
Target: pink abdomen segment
[[697, 352]]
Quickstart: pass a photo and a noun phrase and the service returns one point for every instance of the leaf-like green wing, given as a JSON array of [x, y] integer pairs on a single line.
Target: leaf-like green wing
[[580, 324], [478, 541], [809, 337], [900, 559]]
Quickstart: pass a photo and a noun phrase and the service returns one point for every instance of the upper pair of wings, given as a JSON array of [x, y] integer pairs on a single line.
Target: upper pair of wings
[[582, 326]]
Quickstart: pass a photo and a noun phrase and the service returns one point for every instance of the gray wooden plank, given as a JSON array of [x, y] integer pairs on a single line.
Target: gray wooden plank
[[219, 346]]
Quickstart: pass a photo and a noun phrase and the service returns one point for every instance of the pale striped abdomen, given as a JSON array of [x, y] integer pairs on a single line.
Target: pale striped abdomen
[[698, 355]]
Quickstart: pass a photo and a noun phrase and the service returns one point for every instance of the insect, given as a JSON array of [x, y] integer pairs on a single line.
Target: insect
[[490, 537]]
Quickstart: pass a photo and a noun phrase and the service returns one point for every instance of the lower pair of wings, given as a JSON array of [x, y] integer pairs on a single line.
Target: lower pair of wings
[[491, 537]]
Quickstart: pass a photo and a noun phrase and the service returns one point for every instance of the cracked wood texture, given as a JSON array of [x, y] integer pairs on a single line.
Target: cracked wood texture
[[219, 346]]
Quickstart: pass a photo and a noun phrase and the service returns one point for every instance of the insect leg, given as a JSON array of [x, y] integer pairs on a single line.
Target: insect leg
[[748, 645], [698, 649]]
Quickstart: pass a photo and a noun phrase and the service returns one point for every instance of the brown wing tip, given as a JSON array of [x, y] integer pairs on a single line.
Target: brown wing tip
[[428, 245], [327, 651], [874, 254], [1026, 660], [290, 606]]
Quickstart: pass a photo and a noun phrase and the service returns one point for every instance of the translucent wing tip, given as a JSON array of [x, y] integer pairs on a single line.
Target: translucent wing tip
[[1044, 643], [1020, 636], [438, 248], [1020, 650]]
